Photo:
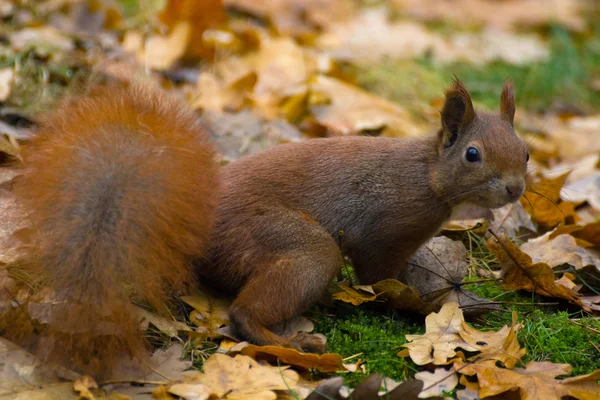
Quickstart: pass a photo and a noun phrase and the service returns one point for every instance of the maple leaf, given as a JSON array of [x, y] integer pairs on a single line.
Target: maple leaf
[[441, 337], [535, 381]]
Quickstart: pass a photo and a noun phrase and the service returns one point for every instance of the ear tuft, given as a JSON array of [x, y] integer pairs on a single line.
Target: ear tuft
[[457, 112], [507, 102]]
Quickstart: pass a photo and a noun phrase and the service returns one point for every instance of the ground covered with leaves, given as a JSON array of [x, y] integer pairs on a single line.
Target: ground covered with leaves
[[504, 304]]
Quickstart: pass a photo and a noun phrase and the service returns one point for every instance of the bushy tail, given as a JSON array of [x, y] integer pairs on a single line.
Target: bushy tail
[[121, 189]]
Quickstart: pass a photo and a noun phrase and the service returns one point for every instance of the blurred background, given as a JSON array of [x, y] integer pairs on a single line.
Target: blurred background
[[265, 72]]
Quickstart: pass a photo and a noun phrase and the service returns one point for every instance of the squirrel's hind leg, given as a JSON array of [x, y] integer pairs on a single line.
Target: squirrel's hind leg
[[294, 280]]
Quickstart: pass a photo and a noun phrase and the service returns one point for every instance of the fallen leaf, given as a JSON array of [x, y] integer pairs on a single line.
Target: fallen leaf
[[441, 338], [330, 362], [44, 40], [7, 76], [501, 346], [437, 383], [559, 250], [349, 110], [199, 15], [25, 376], [161, 52], [511, 220], [298, 18], [241, 377], [211, 313], [190, 391], [355, 295], [535, 381], [542, 201], [169, 327], [520, 273], [507, 14], [83, 386], [401, 296]]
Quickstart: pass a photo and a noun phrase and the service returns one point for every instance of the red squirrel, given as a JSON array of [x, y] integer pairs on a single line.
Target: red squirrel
[[127, 199]]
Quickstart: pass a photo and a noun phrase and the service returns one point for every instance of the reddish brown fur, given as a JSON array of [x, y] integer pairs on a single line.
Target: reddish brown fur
[[388, 196], [121, 188], [276, 241]]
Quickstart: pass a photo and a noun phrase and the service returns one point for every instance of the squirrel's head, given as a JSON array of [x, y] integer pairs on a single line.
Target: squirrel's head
[[482, 160]]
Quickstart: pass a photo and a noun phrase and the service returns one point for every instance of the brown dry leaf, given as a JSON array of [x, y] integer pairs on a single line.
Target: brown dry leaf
[[590, 233], [441, 338], [329, 362], [161, 52], [24, 376], [535, 381], [506, 14], [344, 109], [355, 295], [402, 296], [438, 382], [542, 201], [437, 270], [169, 327], [273, 80], [511, 219], [574, 138], [199, 15], [241, 377], [7, 77], [44, 40], [559, 250], [373, 35], [298, 18], [520, 273], [463, 225], [501, 346], [191, 391], [83, 386], [283, 69], [211, 313]]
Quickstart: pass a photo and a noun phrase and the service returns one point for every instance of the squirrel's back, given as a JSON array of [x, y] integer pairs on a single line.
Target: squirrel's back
[[120, 187]]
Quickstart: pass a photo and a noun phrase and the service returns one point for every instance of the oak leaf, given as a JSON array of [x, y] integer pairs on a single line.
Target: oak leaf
[[441, 337], [501, 346], [535, 381], [438, 382], [241, 378]]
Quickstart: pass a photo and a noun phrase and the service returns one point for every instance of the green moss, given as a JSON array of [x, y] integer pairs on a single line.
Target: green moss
[[370, 334]]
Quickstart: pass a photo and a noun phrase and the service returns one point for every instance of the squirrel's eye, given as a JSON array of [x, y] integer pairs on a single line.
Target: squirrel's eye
[[472, 155], [527, 156]]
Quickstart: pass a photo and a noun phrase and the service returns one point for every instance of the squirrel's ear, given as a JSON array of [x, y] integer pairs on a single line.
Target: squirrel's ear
[[458, 112], [507, 102]]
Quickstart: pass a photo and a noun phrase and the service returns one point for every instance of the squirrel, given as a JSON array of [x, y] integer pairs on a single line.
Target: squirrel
[[124, 191]]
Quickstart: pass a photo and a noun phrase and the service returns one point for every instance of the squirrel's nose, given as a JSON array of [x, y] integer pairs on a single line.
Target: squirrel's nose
[[515, 190]]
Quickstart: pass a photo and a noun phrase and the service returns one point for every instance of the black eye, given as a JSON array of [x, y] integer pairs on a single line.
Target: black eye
[[473, 155], [527, 156]]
